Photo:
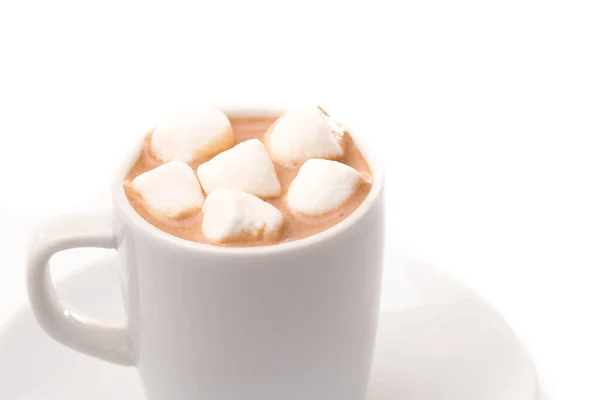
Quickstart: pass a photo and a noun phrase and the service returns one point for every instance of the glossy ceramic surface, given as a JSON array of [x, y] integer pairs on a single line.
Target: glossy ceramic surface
[[442, 342], [296, 320]]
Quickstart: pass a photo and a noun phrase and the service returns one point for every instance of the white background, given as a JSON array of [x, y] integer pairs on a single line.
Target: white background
[[486, 112]]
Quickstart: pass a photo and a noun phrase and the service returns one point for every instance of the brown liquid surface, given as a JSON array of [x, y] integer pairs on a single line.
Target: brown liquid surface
[[295, 227]]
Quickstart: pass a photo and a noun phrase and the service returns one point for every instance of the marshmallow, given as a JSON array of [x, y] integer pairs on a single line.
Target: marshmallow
[[302, 134], [322, 186], [246, 167], [171, 189], [193, 135], [231, 214]]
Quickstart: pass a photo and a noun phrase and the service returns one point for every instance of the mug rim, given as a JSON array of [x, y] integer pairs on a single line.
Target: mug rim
[[132, 218]]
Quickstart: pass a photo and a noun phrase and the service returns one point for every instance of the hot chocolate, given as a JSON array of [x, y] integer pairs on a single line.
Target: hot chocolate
[[273, 181]]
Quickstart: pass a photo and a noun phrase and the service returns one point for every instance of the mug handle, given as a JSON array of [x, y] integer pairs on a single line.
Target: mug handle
[[60, 321]]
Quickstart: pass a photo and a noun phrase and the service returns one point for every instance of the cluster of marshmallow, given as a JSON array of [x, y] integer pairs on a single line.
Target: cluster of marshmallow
[[235, 179]]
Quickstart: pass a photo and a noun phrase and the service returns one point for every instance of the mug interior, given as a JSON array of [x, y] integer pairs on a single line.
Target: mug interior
[[126, 211]]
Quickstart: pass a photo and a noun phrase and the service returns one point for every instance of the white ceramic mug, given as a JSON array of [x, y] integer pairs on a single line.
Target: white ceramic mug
[[292, 321]]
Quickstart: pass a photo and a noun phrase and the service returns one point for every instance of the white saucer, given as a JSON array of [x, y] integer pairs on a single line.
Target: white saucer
[[443, 343]]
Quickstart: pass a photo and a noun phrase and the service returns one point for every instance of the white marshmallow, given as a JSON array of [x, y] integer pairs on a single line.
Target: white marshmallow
[[192, 135], [231, 214], [246, 167], [322, 186], [171, 189], [301, 134]]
